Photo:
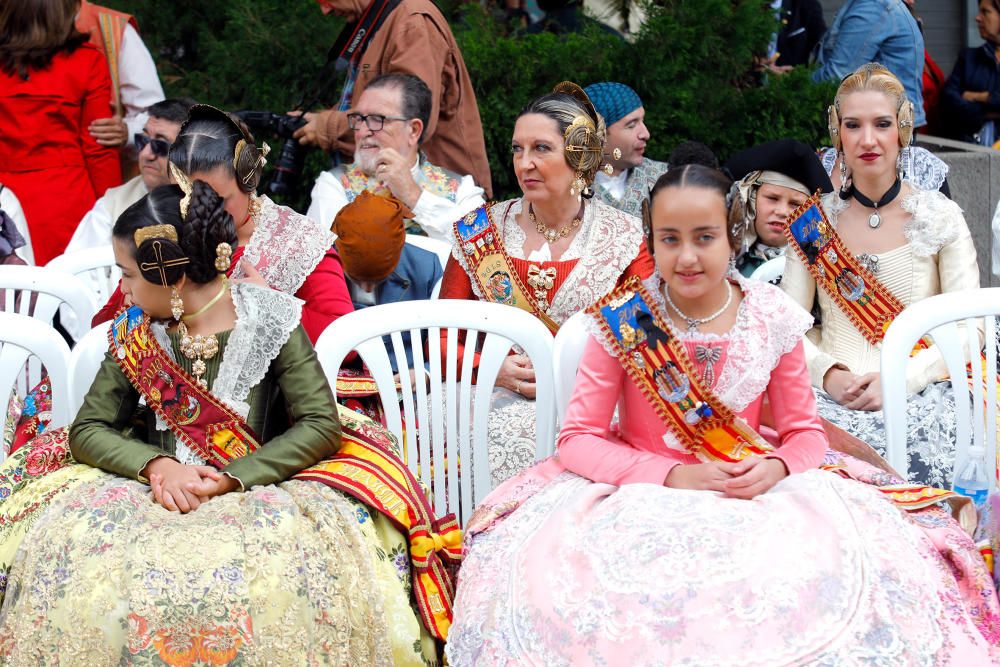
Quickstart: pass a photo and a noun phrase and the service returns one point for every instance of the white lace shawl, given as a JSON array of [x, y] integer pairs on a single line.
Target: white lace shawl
[[928, 171], [265, 318], [607, 242], [769, 324], [934, 223], [285, 247]]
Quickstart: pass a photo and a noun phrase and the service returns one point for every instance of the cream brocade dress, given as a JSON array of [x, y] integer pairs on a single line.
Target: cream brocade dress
[[938, 257]]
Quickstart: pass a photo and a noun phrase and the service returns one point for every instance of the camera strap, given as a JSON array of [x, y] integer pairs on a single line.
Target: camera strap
[[354, 38]]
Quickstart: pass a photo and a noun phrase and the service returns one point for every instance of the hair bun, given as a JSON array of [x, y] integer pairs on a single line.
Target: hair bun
[[161, 261], [206, 226]]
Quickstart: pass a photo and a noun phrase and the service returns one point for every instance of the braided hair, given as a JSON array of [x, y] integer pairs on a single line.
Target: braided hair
[[206, 225]]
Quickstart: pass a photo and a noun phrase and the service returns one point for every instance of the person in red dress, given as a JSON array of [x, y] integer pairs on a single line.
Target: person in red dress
[[277, 247], [561, 250], [52, 86]]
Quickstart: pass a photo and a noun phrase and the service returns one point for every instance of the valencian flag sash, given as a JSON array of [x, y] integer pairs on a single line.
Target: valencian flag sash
[[656, 361], [489, 264], [365, 467]]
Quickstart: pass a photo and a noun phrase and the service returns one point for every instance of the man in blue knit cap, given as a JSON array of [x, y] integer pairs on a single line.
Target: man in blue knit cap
[[634, 174]]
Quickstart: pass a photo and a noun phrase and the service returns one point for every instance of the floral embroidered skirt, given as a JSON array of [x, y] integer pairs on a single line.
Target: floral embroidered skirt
[[95, 573], [820, 570], [930, 431]]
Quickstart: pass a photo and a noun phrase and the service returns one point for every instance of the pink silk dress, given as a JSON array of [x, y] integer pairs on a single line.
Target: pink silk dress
[[587, 559]]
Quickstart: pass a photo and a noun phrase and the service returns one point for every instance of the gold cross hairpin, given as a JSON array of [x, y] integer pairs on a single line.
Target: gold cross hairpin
[[161, 264]]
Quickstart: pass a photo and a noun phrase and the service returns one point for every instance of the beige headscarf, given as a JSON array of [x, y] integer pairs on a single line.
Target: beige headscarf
[[748, 187]]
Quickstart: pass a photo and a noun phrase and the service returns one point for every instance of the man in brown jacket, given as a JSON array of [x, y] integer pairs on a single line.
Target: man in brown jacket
[[408, 37]]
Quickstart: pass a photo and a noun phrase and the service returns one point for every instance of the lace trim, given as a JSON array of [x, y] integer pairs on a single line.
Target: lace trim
[[265, 318], [934, 221], [769, 324], [285, 247], [608, 241], [927, 171]]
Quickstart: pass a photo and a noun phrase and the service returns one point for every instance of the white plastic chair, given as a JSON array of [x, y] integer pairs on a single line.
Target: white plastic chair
[[770, 270], [84, 360], [37, 292], [448, 422], [12, 207], [566, 354], [24, 338], [940, 316], [96, 268]]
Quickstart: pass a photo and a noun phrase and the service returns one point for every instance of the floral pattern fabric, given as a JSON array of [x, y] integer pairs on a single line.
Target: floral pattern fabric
[[291, 574]]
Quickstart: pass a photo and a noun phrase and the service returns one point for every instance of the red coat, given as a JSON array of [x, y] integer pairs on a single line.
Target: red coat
[[47, 156]]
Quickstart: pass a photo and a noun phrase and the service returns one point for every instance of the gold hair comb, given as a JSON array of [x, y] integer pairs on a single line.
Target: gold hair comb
[[185, 184], [155, 232]]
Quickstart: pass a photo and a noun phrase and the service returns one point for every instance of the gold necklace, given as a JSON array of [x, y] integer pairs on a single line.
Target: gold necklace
[[198, 347], [550, 234]]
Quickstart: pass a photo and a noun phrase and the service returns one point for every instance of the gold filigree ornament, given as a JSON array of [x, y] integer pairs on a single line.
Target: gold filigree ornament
[[199, 348], [541, 280], [184, 182]]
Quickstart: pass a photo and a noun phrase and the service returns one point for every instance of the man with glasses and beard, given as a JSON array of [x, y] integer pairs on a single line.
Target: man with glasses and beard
[[153, 144], [389, 122]]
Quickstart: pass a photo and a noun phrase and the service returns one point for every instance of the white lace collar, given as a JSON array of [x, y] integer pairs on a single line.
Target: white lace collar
[[769, 324], [285, 247], [265, 319], [935, 220], [926, 170]]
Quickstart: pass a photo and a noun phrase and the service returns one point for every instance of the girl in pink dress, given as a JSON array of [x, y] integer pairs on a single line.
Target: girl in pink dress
[[628, 549]]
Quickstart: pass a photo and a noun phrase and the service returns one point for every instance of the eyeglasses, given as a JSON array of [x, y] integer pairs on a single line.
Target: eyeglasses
[[160, 147], [374, 121]]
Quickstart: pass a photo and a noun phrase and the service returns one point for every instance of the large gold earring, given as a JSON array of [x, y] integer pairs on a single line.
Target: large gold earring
[[223, 255], [176, 304], [617, 154]]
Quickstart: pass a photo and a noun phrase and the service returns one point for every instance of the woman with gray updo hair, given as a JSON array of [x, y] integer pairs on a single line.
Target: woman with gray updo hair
[[559, 250]]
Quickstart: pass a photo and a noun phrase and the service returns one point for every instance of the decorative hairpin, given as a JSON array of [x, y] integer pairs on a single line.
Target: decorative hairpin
[[185, 184], [155, 232], [262, 152]]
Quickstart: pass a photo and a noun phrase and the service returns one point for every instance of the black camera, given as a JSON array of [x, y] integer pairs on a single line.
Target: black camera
[[288, 166]]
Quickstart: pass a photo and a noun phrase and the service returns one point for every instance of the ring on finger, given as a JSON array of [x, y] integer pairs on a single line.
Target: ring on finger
[[517, 387]]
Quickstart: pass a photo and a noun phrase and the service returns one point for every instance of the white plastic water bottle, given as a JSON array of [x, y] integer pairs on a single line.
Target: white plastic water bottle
[[974, 481]]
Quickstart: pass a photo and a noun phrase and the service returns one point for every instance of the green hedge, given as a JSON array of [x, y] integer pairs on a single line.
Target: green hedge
[[690, 63]]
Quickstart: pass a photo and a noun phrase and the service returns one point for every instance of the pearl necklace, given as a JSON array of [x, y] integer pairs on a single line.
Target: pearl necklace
[[693, 322]]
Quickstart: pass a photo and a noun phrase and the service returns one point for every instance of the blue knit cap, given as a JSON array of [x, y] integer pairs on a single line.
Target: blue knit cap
[[613, 100]]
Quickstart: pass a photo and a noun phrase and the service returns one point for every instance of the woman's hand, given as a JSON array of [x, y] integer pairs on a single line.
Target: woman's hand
[[753, 476], [212, 485], [252, 275], [168, 480], [837, 382], [868, 389], [710, 476], [517, 374], [111, 132]]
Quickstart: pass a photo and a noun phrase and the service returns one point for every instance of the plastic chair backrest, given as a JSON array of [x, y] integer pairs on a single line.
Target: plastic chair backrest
[[96, 268], [956, 321], [12, 207], [566, 354], [24, 338], [84, 360], [445, 443], [770, 270], [37, 292]]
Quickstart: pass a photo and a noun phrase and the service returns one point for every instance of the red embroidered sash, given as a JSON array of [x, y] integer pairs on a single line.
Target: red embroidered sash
[[490, 267], [365, 467]]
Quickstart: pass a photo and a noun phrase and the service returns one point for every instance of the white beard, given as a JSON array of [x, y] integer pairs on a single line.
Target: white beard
[[366, 161]]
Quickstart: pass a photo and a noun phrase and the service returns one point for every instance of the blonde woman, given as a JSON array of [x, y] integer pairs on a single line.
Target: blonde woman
[[914, 242]]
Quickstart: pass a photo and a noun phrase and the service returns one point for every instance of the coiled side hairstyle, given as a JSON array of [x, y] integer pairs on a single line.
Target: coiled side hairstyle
[[697, 176], [208, 140], [198, 235], [584, 147]]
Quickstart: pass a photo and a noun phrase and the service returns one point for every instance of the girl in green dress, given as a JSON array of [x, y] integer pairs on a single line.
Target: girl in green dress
[[163, 527]]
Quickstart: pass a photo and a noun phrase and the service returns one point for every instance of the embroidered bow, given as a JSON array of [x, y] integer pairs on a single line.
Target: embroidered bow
[[709, 356]]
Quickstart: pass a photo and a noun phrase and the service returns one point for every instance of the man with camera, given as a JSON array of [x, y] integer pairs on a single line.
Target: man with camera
[[409, 37], [389, 123], [161, 128]]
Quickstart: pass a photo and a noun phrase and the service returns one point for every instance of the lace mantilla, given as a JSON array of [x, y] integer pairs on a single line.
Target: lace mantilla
[[265, 318], [285, 247], [928, 171], [769, 324], [608, 241], [934, 223]]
